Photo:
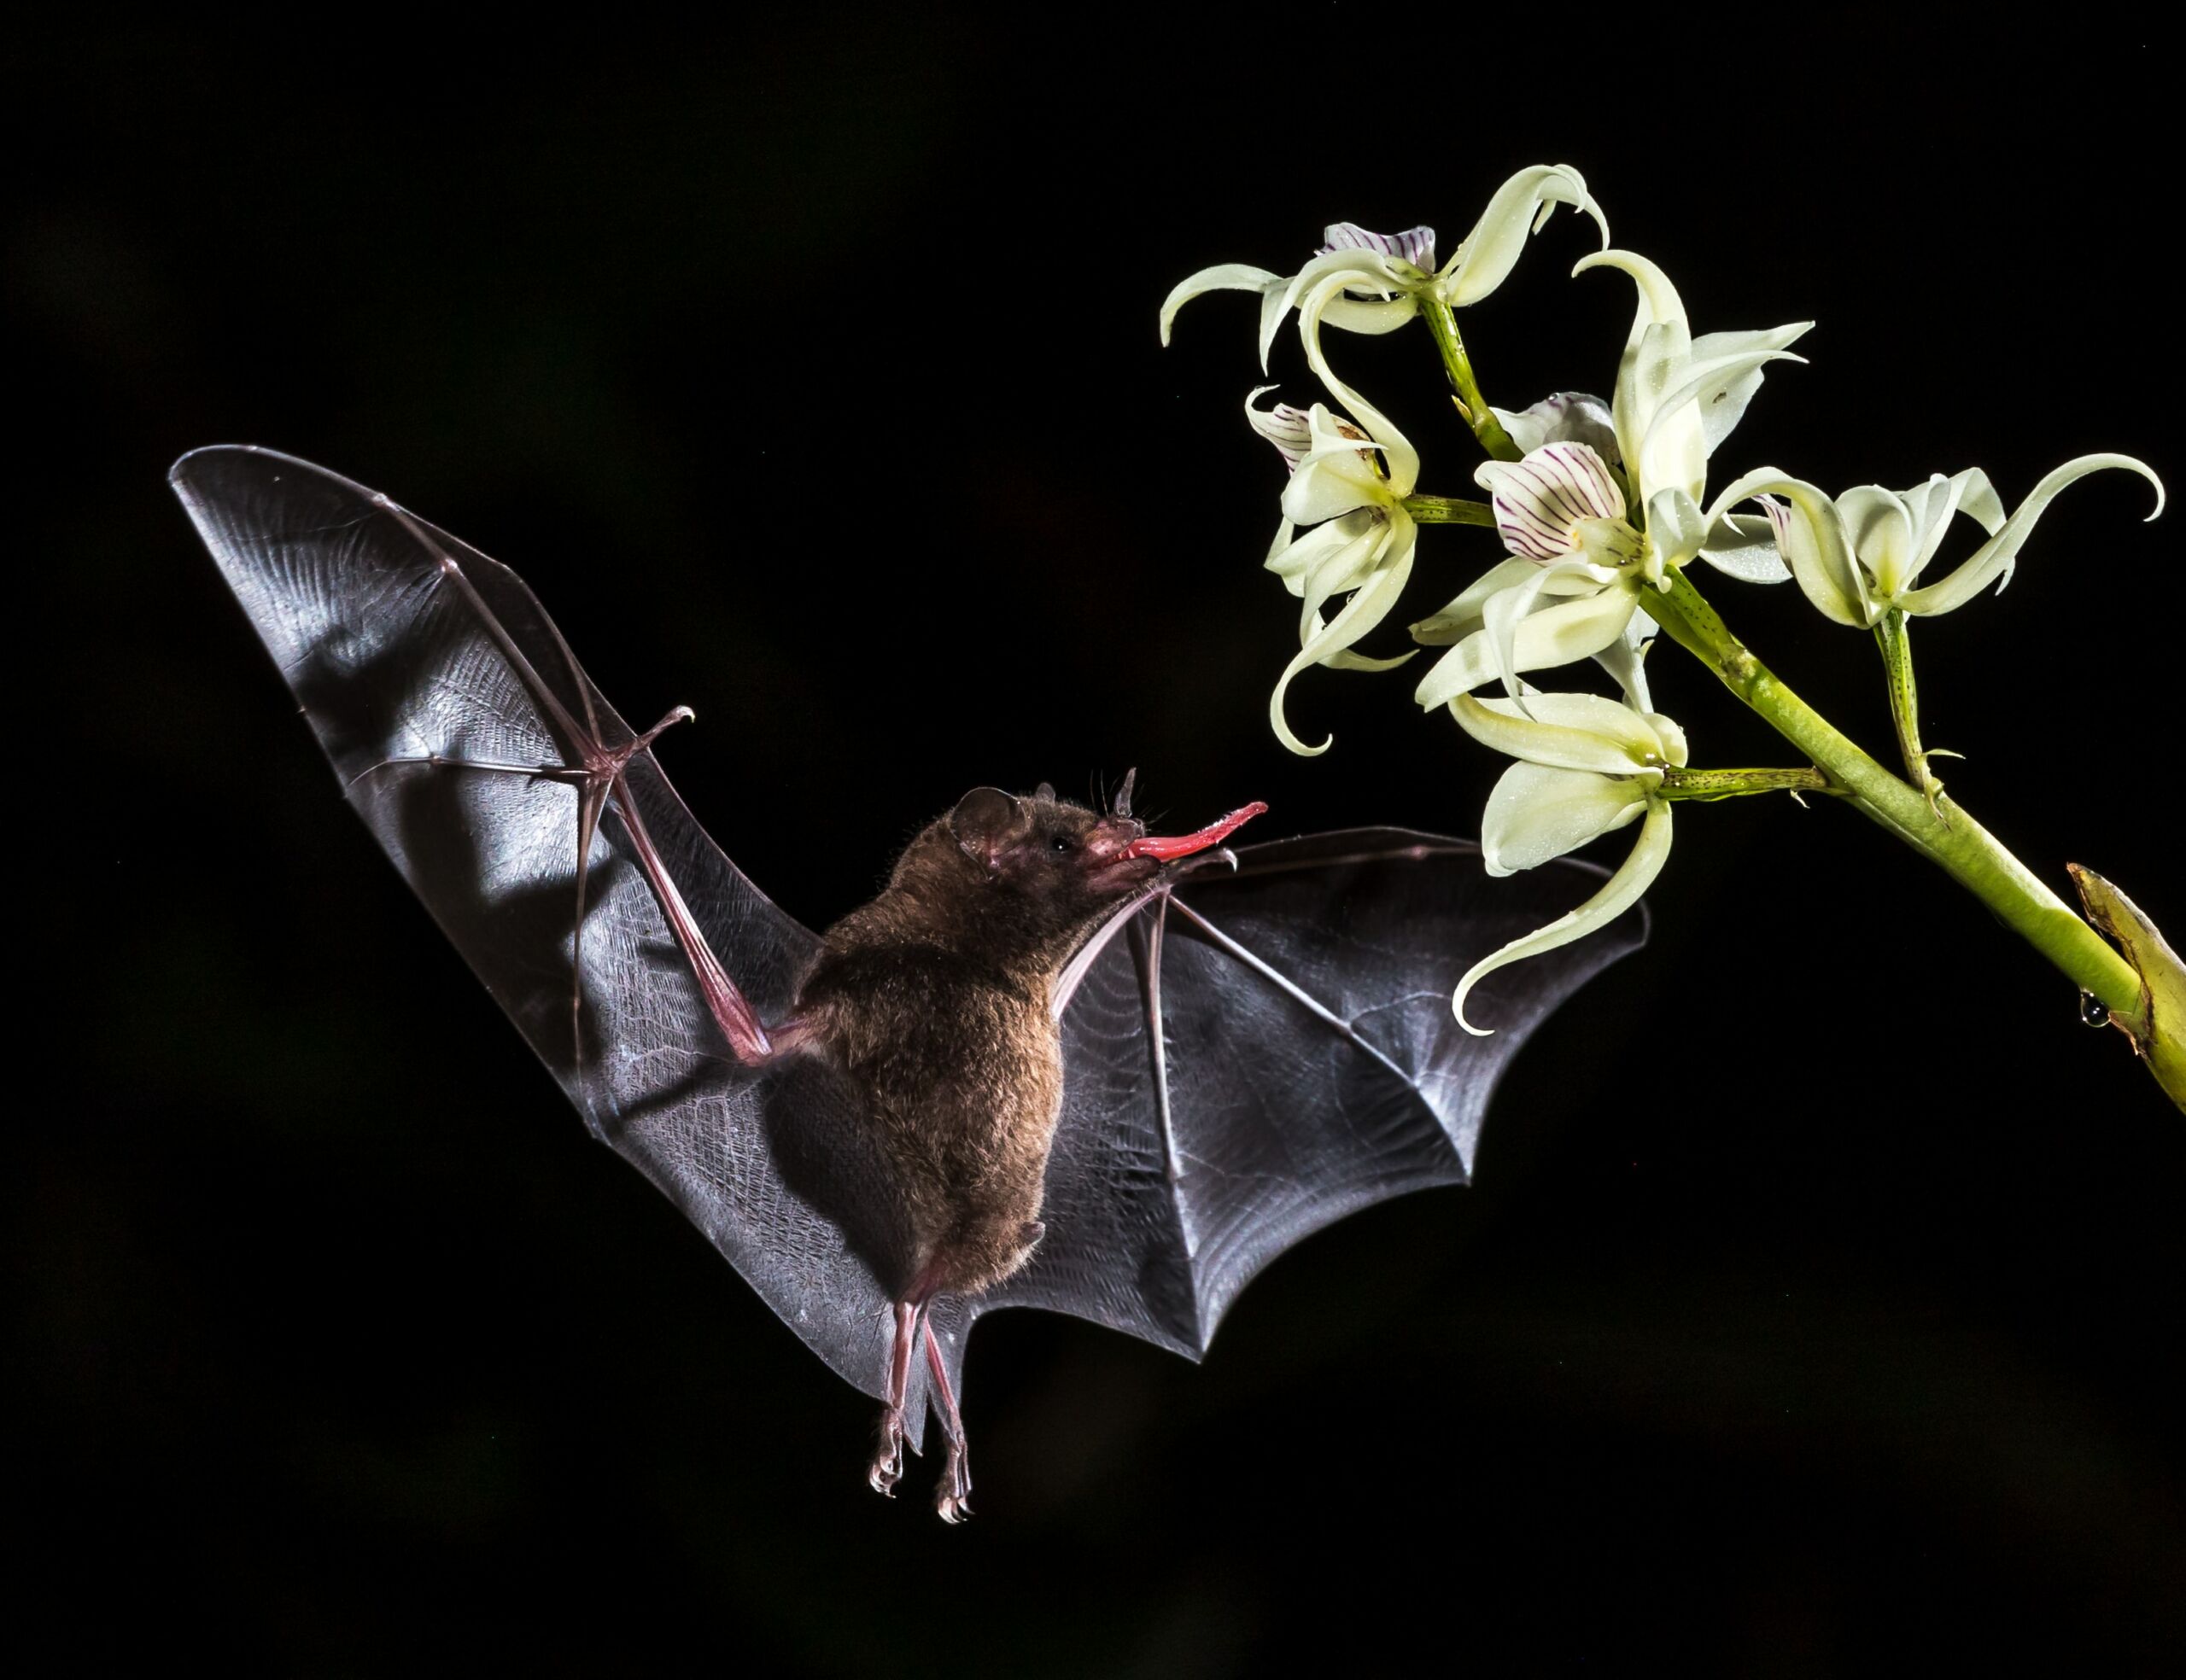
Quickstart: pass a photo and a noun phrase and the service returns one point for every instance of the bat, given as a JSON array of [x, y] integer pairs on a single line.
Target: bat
[[1058, 1062]]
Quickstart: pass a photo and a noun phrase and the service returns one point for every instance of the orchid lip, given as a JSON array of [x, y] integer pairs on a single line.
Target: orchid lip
[[1165, 847]]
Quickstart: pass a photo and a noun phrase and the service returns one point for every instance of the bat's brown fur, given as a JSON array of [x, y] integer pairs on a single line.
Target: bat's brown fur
[[936, 999]]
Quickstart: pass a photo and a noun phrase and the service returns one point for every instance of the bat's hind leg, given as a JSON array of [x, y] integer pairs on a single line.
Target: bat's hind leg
[[888, 1459], [952, 1495]]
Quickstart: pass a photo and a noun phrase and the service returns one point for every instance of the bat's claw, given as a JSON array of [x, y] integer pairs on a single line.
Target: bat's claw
[[952, 1499], [888, 1462]]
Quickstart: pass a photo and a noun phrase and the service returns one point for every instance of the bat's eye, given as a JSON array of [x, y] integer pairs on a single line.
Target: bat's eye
[[1059, 845]]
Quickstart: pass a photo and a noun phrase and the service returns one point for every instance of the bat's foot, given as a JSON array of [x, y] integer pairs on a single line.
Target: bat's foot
[[952, 1497], [888, 1462]]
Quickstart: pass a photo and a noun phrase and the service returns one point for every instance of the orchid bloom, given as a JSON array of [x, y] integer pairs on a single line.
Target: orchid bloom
[[1585, 765], [1362, 541], [1860, 556], [1372, 283], [1564, 513]]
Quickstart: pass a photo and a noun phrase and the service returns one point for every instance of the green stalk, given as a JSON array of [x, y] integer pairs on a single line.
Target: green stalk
[[1442, 324], [1891, 637], [1449, 510], [1947, 836], [1711, 785]]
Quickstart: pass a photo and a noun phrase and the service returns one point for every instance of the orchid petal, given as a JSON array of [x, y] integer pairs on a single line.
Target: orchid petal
[[1671, 735], [1675, 451], [1996, 558], [1414, 245], [1618, 893], [1500, 618], [1676, 529], [1625, 659], [1521, 205], [1294, 562], [1537, 813], [1347, 565], [1317, 290], [1930, 507], [1656, 348], [1810, 537], [1724, 405], [1402, 458], [1462, 616], [1540, 500], [1361, 614], [1553, 636], [1568, 417], [1744, 546], [1222, 278], [1880, 531], [1289, 430], [1567, 731]]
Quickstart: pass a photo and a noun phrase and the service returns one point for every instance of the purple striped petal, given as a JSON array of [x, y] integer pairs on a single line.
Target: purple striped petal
[[1289, 430], [1414, 245], [1540, 501]]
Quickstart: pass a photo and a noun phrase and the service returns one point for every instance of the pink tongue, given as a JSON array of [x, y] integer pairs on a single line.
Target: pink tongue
[[1184, 845]]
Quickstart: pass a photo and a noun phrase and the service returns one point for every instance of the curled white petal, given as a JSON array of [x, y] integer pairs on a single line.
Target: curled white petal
[[1618, 893], [1520, 206], [1222, 278], [1361, 613], [1930, 507], [1555, 635], [1566, 732], [1810, 536], [1994, 561], [1326, 289]]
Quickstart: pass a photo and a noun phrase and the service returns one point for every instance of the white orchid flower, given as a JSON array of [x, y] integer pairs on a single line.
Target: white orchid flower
[[1586, 765], [1371, 282], [1862, 556], [1565, 508], [1362, 541]]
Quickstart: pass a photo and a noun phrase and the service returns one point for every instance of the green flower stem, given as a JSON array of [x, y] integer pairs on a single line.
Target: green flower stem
[[1708, 785], [1449, 510], [1890, 636], [1947, 836], [1443, 323]]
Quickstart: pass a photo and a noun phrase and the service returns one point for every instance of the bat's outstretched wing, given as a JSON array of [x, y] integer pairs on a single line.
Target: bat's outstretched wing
[[455, 715], [1251, 1056]]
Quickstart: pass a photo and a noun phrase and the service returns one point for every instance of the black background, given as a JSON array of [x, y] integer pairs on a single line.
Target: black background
[[1816, 1308]]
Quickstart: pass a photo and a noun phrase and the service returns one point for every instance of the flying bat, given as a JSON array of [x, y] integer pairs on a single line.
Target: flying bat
[[1058, 1062]]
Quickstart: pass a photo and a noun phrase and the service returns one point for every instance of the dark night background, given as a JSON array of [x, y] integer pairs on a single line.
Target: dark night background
[[1816, 1308]]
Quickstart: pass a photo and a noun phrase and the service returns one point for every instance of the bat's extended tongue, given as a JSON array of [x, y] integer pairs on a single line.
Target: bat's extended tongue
[[1165, 847]]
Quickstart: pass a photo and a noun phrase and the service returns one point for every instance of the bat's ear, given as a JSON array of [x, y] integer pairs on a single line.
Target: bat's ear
[[984, 821]]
